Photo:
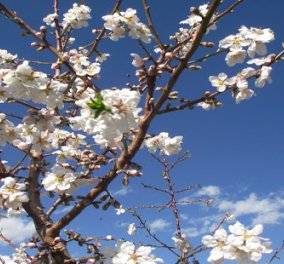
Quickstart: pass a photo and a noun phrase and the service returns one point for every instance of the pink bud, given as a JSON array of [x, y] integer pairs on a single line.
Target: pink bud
[[35, 44]]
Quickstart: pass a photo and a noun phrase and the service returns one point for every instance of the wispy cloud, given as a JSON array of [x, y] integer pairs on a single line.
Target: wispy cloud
[[123, 191], [210, 190], [17, 229], [267, 210], [159, 225], [202, 225], [252, 208], [207, 192]]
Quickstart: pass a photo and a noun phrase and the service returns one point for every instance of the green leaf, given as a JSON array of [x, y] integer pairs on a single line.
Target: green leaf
[[98, 105]]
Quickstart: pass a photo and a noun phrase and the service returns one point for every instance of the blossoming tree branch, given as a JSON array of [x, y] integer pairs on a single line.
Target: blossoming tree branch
[[73, 130]]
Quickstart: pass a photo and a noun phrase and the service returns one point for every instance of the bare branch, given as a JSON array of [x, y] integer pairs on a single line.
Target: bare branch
[[102, 31], [151, 25], [276, 253]]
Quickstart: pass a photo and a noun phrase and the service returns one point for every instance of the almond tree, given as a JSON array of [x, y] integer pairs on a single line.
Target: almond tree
[[74, 130]]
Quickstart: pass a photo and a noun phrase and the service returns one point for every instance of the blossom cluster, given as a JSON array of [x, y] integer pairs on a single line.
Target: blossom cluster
[[111, 117], [253, 38], [121, 23], [242, 244], [196, 17], [12, 195], [36, 134], [166, 145], [23, 82], [184, 35], [77, 16], [108, 116], [125, 253], [82, 64], [239, 83]]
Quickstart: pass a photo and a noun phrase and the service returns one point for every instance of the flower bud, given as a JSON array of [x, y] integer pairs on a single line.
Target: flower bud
[[43, 30], [109, 237], [35, 44], [169, 56], [207, 44]]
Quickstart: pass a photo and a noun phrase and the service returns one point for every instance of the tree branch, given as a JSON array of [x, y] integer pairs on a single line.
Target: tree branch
[[151, 25]]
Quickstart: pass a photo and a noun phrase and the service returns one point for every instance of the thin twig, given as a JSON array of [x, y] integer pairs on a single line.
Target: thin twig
[[12, 171], [151, 25], [46, 44], [102, 31], [145, 50], [55, 205], [23, 103], [143, 225], [276, 253], [227, 11]]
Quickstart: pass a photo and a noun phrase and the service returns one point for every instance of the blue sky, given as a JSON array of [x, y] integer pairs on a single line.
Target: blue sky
[[237, 150]]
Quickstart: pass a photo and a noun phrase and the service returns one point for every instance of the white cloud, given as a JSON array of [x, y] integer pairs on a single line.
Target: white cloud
[[159, 225], [17, 229], [268, 210], [209, 190], [183, 217], [202, 225], [123, 191], [192, 231]]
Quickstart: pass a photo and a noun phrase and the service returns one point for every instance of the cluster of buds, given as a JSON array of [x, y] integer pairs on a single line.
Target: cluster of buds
[[40, 35]]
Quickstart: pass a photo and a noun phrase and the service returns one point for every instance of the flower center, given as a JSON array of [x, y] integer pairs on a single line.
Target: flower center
[[59, 179], [133, 256], [236, 41]]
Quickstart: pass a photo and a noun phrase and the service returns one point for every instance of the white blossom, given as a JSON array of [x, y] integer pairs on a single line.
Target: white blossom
[[207, 106], [259, 38], [7, 130], [137, 60], [242, 244], [126, 21], [244, 94], [12, 195], [221, 82], [234, 42], [77, 16], [50, 19], [264, 77], [235, 56], [221, 250], [111, 125], [120, 210], [260, 61], [62, 180], [125, 253], [265, 35], [166, 145], [248, 241], [194, 19], [6, 57], [131, 229], [101, 57], [81, 63]]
